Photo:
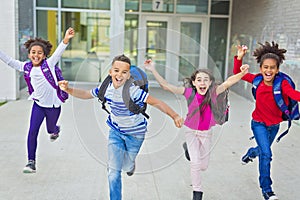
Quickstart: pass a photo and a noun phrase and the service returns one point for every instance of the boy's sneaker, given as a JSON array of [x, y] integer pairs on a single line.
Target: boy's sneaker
[[270, 196], [132, 171], [54, 136], [246, 159], [186, 152], [30, 167]]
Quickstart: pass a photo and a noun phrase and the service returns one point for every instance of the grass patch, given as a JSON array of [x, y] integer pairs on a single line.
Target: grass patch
[[3, 102]]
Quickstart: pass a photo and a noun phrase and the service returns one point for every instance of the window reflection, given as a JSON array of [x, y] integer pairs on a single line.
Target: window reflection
[[48, 3], [192, 6], [220, 7], [131, 37], [88, 4], [189, 48]]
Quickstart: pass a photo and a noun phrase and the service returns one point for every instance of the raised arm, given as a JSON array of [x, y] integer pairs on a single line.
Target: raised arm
[[231, 80], [70, 33], [150, 66], [76, 92], [162, 106], [15, 64]]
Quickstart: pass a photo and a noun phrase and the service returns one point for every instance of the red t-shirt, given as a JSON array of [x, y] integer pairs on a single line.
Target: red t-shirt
[[266, 109]]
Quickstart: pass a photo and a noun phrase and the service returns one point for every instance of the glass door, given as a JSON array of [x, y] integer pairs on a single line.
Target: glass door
[[192, 46], [153, 42], [178, 45]]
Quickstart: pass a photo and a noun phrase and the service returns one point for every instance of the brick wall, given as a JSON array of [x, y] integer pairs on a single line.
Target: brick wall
[[266, 20]]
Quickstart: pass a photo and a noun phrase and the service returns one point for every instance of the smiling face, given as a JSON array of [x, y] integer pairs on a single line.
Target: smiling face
[[120, 73], [202, 83], [269, 69], [36, 55]]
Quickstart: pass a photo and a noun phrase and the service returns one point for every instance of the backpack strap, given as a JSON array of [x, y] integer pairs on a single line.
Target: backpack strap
[[102, 91], [62, 95], [189, 101], [48, 75], [290, 111], [255, 83], [192, 96], [130, 104], [27, 69]]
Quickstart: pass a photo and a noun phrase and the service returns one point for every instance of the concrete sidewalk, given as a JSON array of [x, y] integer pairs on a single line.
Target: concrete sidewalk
[[74, 166]]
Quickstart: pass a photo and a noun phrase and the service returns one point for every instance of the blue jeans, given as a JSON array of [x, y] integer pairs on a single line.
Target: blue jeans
[[122, 151], [264, 136]]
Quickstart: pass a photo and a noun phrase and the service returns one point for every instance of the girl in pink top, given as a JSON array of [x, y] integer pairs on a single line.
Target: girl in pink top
[[197, 127]]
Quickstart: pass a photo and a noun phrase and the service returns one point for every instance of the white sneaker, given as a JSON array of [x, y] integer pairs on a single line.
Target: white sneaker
[[30, 167]]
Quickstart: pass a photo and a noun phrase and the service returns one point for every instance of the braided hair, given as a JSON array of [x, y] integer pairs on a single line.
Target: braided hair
[[46, 45], [268, 50]]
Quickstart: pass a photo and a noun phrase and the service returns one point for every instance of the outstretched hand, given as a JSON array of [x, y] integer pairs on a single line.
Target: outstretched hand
[[63, 85], [70, 33], [244, 68], [178, 121], [149, 65], [241, 51]]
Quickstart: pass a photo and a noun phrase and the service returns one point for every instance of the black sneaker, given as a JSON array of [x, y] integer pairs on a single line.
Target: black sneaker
[[132, 171], [246, 159], [270, 196], [30, 167], [54, 136], [186, 152]]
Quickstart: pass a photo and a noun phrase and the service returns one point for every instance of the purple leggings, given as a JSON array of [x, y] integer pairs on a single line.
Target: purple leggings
[[38, 114]]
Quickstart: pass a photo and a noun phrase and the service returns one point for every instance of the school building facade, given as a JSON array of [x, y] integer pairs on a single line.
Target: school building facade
[[179, 35]]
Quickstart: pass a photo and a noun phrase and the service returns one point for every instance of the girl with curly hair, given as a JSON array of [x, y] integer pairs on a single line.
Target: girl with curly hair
[[46, 101], [198, 125], [266, 116]]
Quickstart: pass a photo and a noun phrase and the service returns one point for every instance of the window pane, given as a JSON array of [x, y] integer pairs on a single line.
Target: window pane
[[156, 45], [132, 5], [90, 4], [166, 7], [220, 7], [131, 37], [217, 43], [46, 3], [47, 26], [88, 52], [192, 6], [190, 33]]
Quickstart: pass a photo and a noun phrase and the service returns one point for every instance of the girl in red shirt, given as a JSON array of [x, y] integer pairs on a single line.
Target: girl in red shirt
[[266, 116]]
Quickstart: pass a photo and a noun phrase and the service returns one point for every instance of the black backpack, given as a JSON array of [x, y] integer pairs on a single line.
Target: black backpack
[[219, 106], [139, 78]]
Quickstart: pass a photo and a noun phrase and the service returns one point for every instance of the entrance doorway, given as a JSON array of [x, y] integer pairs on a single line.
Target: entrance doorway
[[178, 45]]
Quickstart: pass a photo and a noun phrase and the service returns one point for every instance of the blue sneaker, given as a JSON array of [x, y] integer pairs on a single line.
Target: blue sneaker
[[270, 196], [246, 159]]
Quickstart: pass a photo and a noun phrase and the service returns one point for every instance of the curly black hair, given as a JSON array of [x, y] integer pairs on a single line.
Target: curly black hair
[[46, 45], [268, 50]]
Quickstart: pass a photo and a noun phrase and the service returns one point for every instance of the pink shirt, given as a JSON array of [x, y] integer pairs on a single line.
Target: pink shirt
[[197, 122]]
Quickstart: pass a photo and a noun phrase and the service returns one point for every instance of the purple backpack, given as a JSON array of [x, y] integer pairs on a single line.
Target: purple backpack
[[63, 96]]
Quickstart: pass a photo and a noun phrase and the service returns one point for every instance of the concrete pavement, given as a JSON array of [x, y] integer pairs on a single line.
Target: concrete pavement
[[74, 166]]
